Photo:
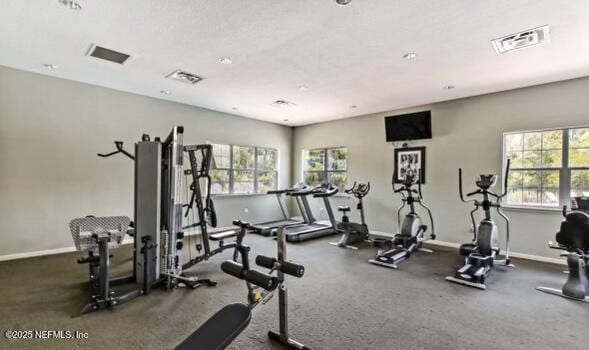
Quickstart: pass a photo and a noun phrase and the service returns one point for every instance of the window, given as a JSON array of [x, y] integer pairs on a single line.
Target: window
[[326, 165], [547, 167], [243, 170]]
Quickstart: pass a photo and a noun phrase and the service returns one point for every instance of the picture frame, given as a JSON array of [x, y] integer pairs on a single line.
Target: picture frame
[[409, 159]]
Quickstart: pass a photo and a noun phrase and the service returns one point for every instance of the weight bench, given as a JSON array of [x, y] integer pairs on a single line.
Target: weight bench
[[219, 330]]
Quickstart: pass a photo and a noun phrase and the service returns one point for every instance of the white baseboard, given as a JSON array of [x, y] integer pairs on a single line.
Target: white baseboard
[[457, 245], [37, 253], [127, 240]]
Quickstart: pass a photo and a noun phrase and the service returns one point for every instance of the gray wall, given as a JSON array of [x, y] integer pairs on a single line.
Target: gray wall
[[51, 130], [467, 133]]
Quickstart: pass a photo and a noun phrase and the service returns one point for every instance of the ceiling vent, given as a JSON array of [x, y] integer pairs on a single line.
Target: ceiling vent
[[282, 104], [184, 77], [522, 40], [108, 54]]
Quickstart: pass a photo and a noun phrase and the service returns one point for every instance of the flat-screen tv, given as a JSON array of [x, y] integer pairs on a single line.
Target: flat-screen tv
[[413, 126]]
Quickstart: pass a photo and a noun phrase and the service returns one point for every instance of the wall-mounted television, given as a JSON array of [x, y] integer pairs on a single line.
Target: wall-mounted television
[[413, 126]]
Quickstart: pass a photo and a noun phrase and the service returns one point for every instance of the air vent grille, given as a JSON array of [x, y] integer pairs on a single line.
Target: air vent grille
[[108, 54], [522, 40], [185, 77]]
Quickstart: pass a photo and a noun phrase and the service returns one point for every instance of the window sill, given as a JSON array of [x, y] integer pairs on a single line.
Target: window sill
[[531, 209], [236, 195]]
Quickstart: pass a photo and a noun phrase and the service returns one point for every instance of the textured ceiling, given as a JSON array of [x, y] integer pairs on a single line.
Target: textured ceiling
[[345, 55]]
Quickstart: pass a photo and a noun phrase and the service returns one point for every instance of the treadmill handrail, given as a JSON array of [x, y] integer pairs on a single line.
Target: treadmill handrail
[[328, 192]]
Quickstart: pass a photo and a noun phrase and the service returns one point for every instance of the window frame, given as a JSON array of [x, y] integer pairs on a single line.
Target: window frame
[[325, 172], [255, 171], [565, 170]]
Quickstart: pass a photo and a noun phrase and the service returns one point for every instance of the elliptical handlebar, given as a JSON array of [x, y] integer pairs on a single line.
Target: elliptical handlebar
[[119, 147], [505, 181], [460, 191]]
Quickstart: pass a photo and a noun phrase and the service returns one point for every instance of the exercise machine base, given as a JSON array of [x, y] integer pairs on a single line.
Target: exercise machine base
[[559, 292], [289, 342]]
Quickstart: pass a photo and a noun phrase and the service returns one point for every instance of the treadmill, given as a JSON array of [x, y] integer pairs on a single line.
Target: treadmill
[[268, 228], [313, 228]]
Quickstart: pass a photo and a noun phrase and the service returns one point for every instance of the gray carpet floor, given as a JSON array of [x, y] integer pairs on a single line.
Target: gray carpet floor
[[343, 302]]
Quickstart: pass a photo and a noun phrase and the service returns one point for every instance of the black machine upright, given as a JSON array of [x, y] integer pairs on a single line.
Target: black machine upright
[[483, 253], [574, 238], [411, 232]]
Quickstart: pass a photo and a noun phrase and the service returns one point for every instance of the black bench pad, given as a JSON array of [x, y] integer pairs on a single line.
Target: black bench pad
[[219, 330]]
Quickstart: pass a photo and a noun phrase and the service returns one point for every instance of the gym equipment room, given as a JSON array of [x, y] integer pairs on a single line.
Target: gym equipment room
[[280, 174]]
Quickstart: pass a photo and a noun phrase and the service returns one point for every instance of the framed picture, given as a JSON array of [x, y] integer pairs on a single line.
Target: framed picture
[[409, 160]]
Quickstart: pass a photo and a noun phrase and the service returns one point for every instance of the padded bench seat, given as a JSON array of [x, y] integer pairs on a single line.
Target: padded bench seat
[[219, 236], [219, 330]]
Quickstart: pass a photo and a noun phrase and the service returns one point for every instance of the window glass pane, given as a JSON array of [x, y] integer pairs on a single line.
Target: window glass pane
[[550, 188], [514, 142], [313, 178], [532, 159], [221, 156], [517, 159], [337, 159], [579, 157], [243, 157], [219, 181], [514, 185], [552, 159], [532, 186], [532, 141], [243, 181], [267, 181], [579, 183], [552, 139], [267, 158], [338, 179], [315, 160], [579, 138]]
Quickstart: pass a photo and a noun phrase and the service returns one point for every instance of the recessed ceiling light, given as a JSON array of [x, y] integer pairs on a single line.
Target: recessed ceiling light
[[353, 106], [284, 120], [71, 4], [165, 92], [410, 56], [343, 2], [225, 60], [303, 88], [449, 87], [50, 66]]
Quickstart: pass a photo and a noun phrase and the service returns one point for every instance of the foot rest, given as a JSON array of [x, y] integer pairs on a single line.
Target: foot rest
[[219, 330], [479, 260], [219, 236], [466, 249]]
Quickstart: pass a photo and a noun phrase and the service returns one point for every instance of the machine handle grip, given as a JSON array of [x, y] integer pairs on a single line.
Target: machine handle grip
[[473, 193], [292, 269], [233, 268], [242, 224], [261, 279], [265, 261]]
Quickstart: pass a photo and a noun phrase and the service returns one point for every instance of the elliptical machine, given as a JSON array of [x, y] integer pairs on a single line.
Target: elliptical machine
[[574, 238], [483, 253], [411, 234], [353, 232]]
